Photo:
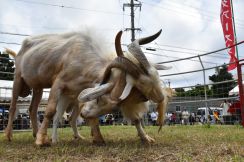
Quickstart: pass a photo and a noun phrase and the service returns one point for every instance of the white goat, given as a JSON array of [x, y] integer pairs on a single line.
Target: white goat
[[63, 104], [135, 104], [69, 63]]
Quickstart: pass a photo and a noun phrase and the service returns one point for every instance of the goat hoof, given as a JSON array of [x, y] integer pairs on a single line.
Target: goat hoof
[[99, 143], [78, 137], [54, 141], [34, 131], [148, 140], [42, 140], [8, 133]]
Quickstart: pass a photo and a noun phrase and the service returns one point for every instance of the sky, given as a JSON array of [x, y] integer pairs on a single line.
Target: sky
[[189, 28]]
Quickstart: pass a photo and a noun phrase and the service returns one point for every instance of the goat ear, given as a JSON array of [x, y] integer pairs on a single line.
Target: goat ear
[[161, 67], [128, 87], [93, 93]]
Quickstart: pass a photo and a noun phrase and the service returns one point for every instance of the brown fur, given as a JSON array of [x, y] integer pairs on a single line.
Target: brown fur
[[162, 106]]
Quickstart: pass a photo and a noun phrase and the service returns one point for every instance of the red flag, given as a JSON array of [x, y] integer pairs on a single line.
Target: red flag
[[227, 25]]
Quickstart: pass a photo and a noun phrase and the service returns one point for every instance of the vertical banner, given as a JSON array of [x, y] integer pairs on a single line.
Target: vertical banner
[[228, 30]]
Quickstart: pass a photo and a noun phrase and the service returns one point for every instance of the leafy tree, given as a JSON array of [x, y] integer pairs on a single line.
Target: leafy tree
[[195, 91], [222, 90], [6, 67], [180, 91]]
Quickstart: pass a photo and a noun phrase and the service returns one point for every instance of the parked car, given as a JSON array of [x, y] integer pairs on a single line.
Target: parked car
[[202, 114]]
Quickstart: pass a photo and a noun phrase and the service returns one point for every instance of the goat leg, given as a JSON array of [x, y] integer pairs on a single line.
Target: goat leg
[[37, 95], [75, 114], [18, 84], [95, 132], [144, 137], [42, 138], [63, 103]]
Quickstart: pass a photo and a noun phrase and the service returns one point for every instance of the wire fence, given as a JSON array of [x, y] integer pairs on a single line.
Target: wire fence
[[207, 102]]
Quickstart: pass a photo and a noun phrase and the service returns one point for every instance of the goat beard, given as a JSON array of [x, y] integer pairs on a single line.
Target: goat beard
[[160, 121]]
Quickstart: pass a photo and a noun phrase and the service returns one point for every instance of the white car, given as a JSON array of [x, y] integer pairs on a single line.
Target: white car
[[202, 113]]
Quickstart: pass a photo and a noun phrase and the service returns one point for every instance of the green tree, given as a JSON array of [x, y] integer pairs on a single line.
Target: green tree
[[194, 91], [222, 90], [180, 91], [6, 67]]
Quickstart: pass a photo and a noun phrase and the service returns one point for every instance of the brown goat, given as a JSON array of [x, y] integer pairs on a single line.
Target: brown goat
[[132, 105]]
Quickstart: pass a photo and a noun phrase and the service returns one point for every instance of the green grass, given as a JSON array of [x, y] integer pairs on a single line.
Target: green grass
[[175, 143]]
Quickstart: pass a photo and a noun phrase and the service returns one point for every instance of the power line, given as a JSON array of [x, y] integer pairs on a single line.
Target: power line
[[2, 42], [38, 27], [18, 34], [70, 7], [144, 52], [195, 55], [175, 67], [185, 52], [162, 55], [208, 12], [203, 54], [184, 48], [208, 18]]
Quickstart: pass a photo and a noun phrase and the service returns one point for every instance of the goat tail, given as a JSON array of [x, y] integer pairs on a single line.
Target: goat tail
[[10, 52]]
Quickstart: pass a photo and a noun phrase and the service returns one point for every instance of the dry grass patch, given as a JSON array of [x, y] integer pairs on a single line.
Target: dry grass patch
[[175, 143]]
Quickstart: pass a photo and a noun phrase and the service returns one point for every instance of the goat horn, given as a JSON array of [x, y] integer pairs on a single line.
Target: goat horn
[[118, 44], [135, 49], [126, 65], [93, 93], [161, 67], [149, 39], [119, 87]]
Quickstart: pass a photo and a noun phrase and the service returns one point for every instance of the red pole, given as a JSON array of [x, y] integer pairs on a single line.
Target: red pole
[[239, 73]]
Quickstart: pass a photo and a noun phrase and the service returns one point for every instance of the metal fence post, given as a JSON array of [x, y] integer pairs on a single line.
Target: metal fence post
[[239, 73], [205, 88]]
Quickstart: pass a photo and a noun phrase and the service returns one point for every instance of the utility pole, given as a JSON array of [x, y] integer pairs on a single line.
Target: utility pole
[[132, 6]]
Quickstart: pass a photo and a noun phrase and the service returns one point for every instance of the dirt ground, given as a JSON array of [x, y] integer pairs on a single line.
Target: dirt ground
[[174, 143]]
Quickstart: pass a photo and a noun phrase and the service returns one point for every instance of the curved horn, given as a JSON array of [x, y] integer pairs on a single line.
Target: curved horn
[[93, 93], [149, 39], [119, 87], [161, 67], [135, 49], [126, 65], [118, 44]]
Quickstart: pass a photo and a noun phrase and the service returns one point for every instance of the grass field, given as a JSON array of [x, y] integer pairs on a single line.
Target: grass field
[[174, 143]]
